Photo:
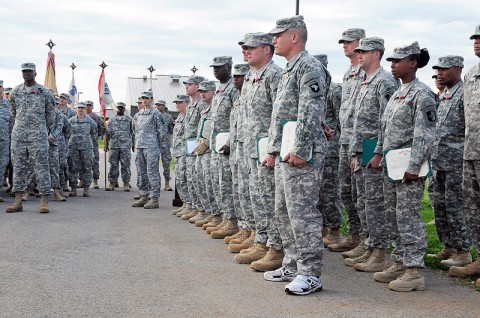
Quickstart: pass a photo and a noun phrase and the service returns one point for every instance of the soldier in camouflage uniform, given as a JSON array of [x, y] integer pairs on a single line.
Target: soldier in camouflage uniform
[[409, 120], [374, 94], [330, 204], [32, 107], [300, 98], [62, 142], [471, 160], [166, 154], [191, 121], [80, 150], [63, 106], [101, 130], [56, 139], [351, 86], [120, 139], [150, 134], [6, 125]]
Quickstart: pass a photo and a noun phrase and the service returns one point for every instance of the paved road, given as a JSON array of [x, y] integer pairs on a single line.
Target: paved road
[[99, 257]]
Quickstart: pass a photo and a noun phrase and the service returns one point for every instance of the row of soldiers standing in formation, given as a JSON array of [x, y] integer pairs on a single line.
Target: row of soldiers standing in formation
[[265, 203]]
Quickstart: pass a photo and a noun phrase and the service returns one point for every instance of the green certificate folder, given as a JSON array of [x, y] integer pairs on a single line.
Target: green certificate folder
[[368, 150]]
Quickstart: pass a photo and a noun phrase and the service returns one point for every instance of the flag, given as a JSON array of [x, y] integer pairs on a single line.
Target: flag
[[104, 94], [73, 93], [50, 80]]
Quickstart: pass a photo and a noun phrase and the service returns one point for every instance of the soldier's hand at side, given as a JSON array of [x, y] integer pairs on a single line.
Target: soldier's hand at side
[[226, 150], [295, 161], [329, 132], [51, 139], [408, 177], [374, 163], [269, 161], [352, 165]]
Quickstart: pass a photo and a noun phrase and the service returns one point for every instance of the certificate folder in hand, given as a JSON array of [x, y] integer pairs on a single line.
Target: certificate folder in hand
[[262, 143], [190, 144], [288, 140], [397, 162], [368, 150], [220, 141]]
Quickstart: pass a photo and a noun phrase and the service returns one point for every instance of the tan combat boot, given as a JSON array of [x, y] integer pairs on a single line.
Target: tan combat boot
[[325, 231], [469, 270], [375, 263], [175, 211], [138, 196], [230, 228], [349, 243], [215, 220], [410, 281], [44, 204], [126, 186], [140, 202], [206, 220], [461, 258], [334, 236], [258, 251], [200, 216], [57, 196], [66, 188], [356, 252], [219, 226], [271, 261], [111, 186], [240, 234], [167, 186], [17, 204], [86, 192], [26, 195], [243, 246], [152, 203], [80, 184], [477, 283], [444, 254], [361, 259], [95, 184], [190, 215], [73, 192], [391, 273], [188, 209]]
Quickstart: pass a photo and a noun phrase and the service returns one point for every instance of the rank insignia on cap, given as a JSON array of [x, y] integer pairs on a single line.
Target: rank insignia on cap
[[314, 87]]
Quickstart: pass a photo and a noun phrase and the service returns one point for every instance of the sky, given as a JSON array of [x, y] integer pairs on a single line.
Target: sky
[[173, 36]]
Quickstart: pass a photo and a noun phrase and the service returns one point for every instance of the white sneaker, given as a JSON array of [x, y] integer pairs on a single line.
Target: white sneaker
[[279, 275], [304, 285]]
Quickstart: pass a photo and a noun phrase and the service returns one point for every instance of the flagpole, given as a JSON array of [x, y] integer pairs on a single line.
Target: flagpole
[[151, 69], [104, 113], [73, 66]]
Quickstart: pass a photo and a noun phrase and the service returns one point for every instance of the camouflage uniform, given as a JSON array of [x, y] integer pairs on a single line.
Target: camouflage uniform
[[471, 155], [237, 183], [120, 138], [166, 152], [374, 94], [62, 151], [408, 121], [262, 92], [96, 160], [68, 112], [150, 133], [57, 132], [6, 125], [301, 98], [80, 149], [33, 112], [178, 152]]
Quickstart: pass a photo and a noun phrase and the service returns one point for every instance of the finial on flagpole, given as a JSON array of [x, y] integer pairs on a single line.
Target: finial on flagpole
[[50, 44], [73, 66], [103, 65], [194, 69], [151, 69]]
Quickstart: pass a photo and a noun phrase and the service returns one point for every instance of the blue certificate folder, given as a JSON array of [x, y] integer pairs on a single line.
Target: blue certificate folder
[[368, 150]]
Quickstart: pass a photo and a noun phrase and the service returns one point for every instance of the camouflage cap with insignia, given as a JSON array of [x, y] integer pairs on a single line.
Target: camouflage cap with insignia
[[182, 98], [402, 52], [29, 66], [160, 102], [245, 38], [323, 58], [139, 100], [64, 96], [147, 94], [477, 33], [8, 90], [89, 103], [194, 79], [295, 22], [241, 69], [207, 86], [259, 38], [221, 60], [81, 105], [120, 104], [370, 44], [449, 61], [352, 35]]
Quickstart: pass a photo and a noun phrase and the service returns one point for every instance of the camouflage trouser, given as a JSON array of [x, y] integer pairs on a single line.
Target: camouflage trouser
[[471, 197], [405, 226], [192, 183], [235, 181], [226, 191], [54, 166], [147, 162], [181, 179], [265, 220], [348, 190], [330, 203], [166, 158], [449, 209], [360, 193], [119, 157], [26, 158], [4, 156], [96, 161], [215, 173], [299, 220], [243, 190], [81, 163], [63, 164], [205, 191]]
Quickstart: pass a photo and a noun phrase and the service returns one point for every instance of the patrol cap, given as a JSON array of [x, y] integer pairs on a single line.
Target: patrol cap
[[245, 39], [194, 79], [29, 66], [120, 104], [259, 38], [221, 60], [404, 51], [370, 44], [1, 83], [323, 58], [207, 86], [240, 69], [139, 100], [477, 33], [89, 103], [65, 96], [81, 105], [57, 100], [449, 61], [288, 23], [352, 34], [147, 94], [8, 90], [182, 98], [161, 102]]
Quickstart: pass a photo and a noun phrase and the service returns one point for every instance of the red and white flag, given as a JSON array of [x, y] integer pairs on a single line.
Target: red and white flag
[[104, 94]]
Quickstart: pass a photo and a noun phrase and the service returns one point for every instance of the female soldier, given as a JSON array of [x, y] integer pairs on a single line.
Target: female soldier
[[408, 122]]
